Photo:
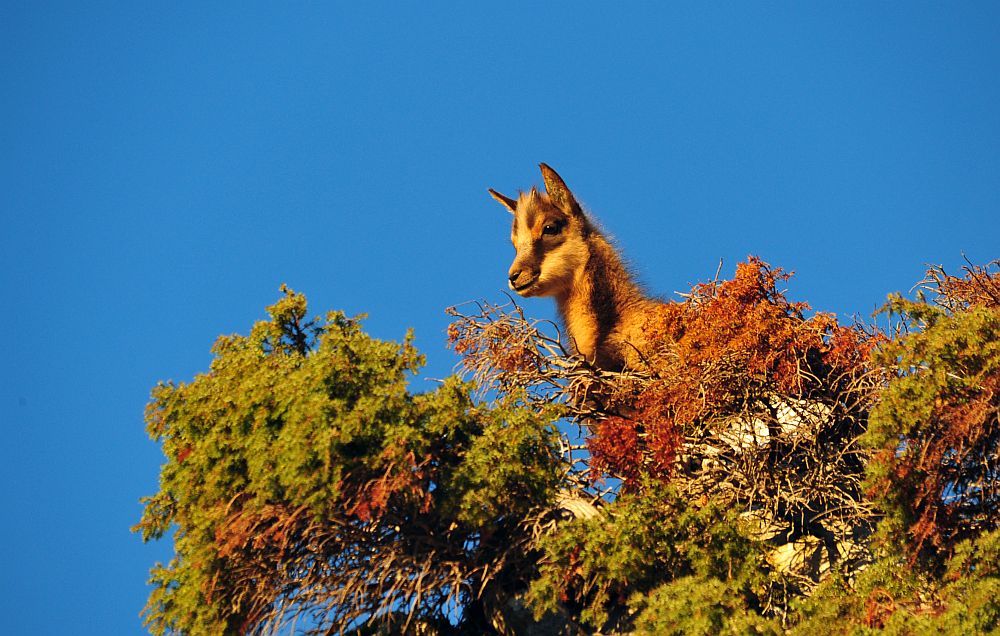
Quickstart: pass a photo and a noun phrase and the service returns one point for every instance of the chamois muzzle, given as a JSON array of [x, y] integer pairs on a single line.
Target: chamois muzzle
[[522, 279]]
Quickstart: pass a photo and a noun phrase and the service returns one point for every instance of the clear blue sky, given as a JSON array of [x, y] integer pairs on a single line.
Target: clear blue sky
[[165, 167]]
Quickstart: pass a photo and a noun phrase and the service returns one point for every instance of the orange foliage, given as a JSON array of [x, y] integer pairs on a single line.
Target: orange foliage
[[726, 348], [402, 478], [501, 344], [979, 287]]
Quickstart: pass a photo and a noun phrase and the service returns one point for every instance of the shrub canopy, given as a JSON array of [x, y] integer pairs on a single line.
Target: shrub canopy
[[766, 470], [304, 479]]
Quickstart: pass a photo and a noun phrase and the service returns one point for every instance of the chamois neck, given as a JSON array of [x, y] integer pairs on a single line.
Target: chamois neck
[[603, 294], [602, 281]]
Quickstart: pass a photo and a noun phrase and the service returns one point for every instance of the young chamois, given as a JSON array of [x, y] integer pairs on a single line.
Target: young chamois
[[560, 253]]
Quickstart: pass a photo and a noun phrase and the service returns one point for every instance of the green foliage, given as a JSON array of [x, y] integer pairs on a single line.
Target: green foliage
[[492, 484], [304, 433], [700, 605], [884, 590], [890, 598], [605, 566], [972, 594], [937, 429]]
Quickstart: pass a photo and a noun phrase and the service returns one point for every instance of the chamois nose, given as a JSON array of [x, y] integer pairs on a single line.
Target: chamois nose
[[521, 279]]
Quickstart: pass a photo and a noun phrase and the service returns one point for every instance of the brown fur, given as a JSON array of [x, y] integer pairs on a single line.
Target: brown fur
[[560, 253]]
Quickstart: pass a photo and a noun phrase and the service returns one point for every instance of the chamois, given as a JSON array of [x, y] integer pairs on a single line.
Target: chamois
[[561, 253]]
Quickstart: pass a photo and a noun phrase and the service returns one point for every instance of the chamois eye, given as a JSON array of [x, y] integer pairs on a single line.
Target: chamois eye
[[551, 229]]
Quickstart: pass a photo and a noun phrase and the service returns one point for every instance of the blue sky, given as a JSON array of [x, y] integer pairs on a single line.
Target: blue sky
[[165, 168]]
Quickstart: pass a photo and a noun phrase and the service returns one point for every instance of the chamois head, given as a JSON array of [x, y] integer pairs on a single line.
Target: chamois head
[[549, 234]]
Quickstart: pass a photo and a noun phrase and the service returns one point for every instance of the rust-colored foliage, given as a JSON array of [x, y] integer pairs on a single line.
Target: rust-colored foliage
[[879, 606], [979, 287], [403, 478], [502, 342], [615, 447], [726, 349]]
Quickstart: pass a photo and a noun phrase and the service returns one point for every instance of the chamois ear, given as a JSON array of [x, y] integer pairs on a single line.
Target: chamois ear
[[558, 193], [507, 202]]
